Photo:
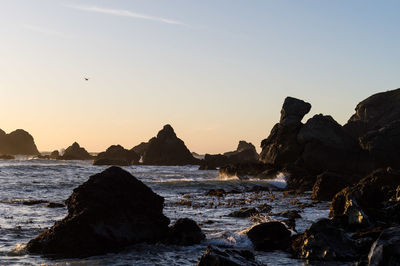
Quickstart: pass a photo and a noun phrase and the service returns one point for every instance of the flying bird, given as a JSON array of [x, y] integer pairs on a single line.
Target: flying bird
[[87, 79]]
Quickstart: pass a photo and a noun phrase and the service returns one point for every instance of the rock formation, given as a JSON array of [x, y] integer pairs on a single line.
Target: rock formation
[[227, 257], [18, 142], [111, 210], [117, 155], [270, 236], [76, 152], [141, 148], [167, 149]]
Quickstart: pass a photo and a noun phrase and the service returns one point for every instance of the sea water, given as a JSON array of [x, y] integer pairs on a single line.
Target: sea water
[[184, 189]]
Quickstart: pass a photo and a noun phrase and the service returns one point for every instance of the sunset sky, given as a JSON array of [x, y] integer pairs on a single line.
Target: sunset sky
[[217, 71]]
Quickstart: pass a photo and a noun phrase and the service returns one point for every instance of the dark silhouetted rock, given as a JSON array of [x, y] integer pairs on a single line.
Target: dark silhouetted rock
[[168, 149], [229, 257], [293, 111], [54, 154], [330, 183], [270, 236], [374, 112], [216, 192], [246, 170], [213, 161], [325, 241], [244, 212], [55, 205], [328, 147], [386, 249], [109, 211], [185, 232], [383, 145], [290, 214], [76, 152], [141, 148], [33, 202], [6, 157], [18, 142], [363, 203], [117, 155]]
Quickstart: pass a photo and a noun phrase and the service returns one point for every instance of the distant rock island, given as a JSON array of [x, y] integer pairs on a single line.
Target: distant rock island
[[18, 142], [117, 155], [75, 152]]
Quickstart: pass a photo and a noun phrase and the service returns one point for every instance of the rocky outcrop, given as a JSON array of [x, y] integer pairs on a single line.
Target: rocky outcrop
[[270, 236], [185, 232], [54, 154], [117, 155], [383, 145], [374, 112], [328, 147], [244, 153], [18, 142], [282, 147], [141, 148], [228, 257], [111, 210], [76, 152], [328, 184], [6, 157], [168, 149], [247, 169], [386, 249], [364, 203]]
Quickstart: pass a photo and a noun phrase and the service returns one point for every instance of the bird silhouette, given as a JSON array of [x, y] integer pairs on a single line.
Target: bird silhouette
[[87, 79]]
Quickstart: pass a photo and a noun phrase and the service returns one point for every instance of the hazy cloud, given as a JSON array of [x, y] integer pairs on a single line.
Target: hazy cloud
[[125, 13], [45, 31]]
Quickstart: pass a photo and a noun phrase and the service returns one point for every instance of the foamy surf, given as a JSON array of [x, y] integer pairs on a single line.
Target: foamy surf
[[279, 181]]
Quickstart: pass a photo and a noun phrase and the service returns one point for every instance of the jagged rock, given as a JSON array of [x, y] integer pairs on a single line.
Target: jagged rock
[[244, 170], [213, 161], [76, 152], [168, 149], [293, 111], [18, 142], [328, 147], [185, 232], [229, 257], [54, 154], [383, 145], [109, 211], [141, 148], [363, 202], [386, 249], [374, 112], [325, 241], [270, 236], [328, 184], [117, 155]]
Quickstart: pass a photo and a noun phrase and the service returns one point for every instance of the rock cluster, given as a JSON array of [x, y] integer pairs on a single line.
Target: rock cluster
[[117, 155], [18, 142], [75, 152]]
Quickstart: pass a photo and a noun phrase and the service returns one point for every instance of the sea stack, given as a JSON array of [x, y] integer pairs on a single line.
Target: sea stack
[[18, 142]]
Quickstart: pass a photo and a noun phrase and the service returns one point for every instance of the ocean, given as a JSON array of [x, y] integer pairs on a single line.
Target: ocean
[[184, 189]]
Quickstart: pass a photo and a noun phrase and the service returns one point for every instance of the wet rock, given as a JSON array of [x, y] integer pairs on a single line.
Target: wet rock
[[55, 205], [324, 241], [18, 142], [168, 149], [290, 214], [216, 192], [141, 148], [270, 236], [383, 145], [76, 152], [109, 211], [374, 112], [228, 257], [265, 208], [328, 147], [244, 212], [185, 232], [386, 249], [363, 202], [243, 170], [213, 161], [117, 155], [34, 202], [6, 157], [330, 183]]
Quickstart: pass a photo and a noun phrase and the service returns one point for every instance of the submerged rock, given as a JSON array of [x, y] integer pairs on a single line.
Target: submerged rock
[[244, 212], [18, 142], [117, 155], [270, 236], [76, 152], [109, 211], [168, 149], [229, 257], [185, 232]]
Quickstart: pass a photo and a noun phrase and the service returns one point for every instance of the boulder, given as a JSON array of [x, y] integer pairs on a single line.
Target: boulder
[[117, 155], [229, 257], [18, 142], [76, 152], [324, 241], [270, 236], [374, 112], [244, 212], [109, 211], [293, 111], [185, 232], [386, 249], [383, 145], [168, 149], [364, 202], [328, 147], [328, 184]]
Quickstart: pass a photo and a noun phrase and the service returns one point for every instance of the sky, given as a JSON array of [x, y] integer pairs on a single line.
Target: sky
[[217, 71]]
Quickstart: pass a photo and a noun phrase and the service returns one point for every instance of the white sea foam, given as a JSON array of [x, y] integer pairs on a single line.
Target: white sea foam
[[279, 181]]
